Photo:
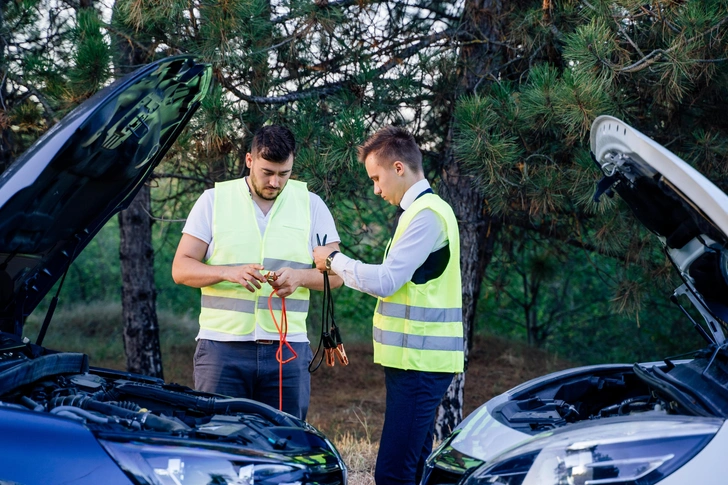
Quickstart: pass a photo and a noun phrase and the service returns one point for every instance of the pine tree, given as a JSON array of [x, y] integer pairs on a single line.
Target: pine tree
[[500, 95], [523, 134]]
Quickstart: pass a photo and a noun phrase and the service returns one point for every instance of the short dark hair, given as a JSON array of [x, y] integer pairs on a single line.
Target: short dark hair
[[393, 143], [275, 143]]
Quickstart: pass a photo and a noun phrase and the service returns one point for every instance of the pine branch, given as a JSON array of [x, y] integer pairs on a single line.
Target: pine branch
[[623, 31], [657, 54], [290, 38], [320, 4], [161, 219], [335, 87], [565, 237], [333, 65], [177, 176], [49, 113], [320, 91], [149, 50]]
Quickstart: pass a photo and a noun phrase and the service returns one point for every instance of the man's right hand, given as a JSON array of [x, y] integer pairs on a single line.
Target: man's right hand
[[246, 275], [188, 268]]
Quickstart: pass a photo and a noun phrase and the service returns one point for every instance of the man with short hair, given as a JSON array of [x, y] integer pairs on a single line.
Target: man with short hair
[[418, 329], [234, 234]]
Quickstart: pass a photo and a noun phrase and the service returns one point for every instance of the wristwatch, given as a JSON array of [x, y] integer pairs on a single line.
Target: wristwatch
[[329, 260]]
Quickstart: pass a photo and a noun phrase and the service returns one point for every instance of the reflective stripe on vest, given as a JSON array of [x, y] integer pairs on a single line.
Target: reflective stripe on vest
[[248, 306], [420, 327], [422, 342], [230, 308], [421, 314]]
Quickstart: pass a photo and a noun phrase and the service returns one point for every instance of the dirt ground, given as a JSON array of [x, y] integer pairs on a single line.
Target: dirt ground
[[351, 400]]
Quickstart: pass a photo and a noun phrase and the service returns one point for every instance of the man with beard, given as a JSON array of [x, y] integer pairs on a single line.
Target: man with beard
[[242, 240]]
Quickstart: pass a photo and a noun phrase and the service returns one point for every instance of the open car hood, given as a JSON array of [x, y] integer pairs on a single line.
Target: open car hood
[[684, 209], [58, 194]]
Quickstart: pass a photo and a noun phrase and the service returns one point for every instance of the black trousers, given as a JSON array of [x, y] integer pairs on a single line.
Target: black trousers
[[409, 422]]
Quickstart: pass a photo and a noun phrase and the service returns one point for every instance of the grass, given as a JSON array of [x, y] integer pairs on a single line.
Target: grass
[[347, 403], [96, 329]]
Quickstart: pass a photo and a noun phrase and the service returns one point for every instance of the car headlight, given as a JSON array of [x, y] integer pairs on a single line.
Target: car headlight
[[179, 465], [627, 452]]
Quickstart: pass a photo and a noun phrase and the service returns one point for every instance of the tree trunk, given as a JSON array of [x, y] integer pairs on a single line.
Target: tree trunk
[[136, 255], [6, 134], [478, 230], [138, 294]]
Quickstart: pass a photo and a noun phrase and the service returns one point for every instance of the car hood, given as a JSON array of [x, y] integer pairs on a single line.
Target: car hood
[[58, 194], [687, 212]]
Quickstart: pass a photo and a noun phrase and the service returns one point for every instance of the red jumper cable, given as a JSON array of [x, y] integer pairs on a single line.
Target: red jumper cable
[[282, 334]]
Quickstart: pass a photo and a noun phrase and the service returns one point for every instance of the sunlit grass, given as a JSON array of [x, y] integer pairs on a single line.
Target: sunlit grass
[[360, 455], [96, 329]]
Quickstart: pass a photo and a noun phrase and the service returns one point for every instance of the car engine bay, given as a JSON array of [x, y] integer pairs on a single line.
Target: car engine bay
[[698, 387], [121, 408]]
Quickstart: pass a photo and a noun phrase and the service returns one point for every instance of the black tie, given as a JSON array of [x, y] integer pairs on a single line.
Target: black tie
[[397, 215]]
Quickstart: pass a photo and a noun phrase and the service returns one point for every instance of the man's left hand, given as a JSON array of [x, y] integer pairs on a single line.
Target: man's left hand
[[320, 253], [286, 282]]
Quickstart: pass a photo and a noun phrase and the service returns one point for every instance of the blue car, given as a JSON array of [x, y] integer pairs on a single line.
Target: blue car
[[63, 421], [629, 424]]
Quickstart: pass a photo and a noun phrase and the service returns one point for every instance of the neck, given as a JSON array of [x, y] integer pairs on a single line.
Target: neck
[[409, 181], [264, 204], [413, 179]]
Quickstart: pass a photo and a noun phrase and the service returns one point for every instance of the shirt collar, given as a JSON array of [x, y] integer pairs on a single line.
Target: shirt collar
[[409, 197]]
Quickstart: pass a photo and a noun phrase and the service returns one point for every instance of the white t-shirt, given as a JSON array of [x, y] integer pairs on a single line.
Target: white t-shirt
[[199, 225]]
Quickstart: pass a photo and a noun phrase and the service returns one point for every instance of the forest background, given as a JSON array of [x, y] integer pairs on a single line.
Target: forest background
[[499, 94]]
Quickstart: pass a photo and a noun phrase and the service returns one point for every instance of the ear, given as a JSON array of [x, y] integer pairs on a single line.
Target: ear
[[248, 160], [399, 167]]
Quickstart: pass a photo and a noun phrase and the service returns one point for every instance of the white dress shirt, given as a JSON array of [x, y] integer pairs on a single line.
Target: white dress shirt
[[424, 235]]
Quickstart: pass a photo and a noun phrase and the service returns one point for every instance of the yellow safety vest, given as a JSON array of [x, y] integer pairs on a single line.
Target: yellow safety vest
[[230, 308], [420, 327]]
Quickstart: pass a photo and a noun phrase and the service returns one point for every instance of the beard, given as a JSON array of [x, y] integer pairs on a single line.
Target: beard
[[265, 193]]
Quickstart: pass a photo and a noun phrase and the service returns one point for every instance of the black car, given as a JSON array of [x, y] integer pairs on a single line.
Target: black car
[[63, 421]]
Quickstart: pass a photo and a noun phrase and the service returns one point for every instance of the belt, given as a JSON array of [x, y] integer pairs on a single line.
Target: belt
[[265, 342]]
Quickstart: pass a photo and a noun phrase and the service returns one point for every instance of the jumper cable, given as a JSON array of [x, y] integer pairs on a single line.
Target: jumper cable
[[333, 346], [282, 340]]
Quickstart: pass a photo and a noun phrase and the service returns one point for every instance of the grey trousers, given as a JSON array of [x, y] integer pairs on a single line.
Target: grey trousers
[[250, 370]]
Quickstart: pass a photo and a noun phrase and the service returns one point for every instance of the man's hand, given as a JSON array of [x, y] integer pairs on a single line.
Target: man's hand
[[320, 253], [246, 275], [287, 281]]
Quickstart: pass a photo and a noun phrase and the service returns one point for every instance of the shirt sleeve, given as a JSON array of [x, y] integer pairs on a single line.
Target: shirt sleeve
[[322, 223], [425, 234], [199, 221]]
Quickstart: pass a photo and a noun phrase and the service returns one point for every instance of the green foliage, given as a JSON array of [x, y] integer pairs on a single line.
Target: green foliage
[[26, 121], [660, 67], [593, 48], [538, 99], [336, 71], [558, 297], [581, 98], [91, 60], [96, 328], [486, 149]]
